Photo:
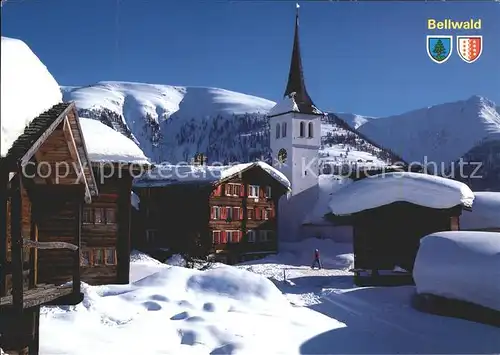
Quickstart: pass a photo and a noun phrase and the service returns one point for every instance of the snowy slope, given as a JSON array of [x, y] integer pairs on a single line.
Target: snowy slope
[[353, 120], [440, 134], [171, 124], [28, 89]]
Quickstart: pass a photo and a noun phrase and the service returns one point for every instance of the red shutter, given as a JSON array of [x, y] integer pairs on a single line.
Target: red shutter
[[257, 213], [212, 212], [236, 214], [241, 213], [226, 189], [223, 237], [223, 212], [218, 190], [242, 190], [261, 192], [238, 236], [271, 213]]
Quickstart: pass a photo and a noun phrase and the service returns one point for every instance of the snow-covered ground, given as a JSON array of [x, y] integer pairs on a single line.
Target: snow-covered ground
[[250, 309]]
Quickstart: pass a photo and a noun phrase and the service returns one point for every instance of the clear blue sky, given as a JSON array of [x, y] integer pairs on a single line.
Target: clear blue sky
[[366, 58]]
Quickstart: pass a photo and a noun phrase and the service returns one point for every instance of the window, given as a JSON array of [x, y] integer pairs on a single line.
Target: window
[[110, 256], [277, 130], [250, 213], [236, 214], [150, 235], [268, 191], [88, 216], [215, 212], [216, 237], [229, 213], [283, 129], [233, 189], [98, 257], [267, 213], [311, 129], [302, 129], [233, 236], [99, 216], [85, 258], [265, 235], [253, 191], [251, 236]]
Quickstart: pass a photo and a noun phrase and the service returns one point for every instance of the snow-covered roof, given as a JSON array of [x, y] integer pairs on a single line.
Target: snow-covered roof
[[286, 105], [327, 185], [104, 144], [27, 90], [420, 189], [167, 174], [485, 212]]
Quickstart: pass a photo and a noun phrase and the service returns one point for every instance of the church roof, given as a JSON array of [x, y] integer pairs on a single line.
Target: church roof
[[296, 91]]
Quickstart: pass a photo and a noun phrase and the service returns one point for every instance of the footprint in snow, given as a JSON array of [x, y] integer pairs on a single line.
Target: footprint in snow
[[159, 298], [209, 307], [180, 316], [152, 306]]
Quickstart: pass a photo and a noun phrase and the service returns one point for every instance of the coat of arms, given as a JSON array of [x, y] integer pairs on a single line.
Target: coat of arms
[[439, 48], [469, 48]]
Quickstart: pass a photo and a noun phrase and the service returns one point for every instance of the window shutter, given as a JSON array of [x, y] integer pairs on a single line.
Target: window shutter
[[223, 213], [218, 190], [238, 236], [242, 190], [223, 237], [241, 213], [257, 213], [236, 213], [212, 212], [226, 189], [261, 192]]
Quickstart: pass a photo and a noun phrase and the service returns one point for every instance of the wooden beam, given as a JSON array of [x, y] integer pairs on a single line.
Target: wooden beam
[[16, 245], [123, 242], [77, 241], [4, 180], [68, 134], [48, 245]]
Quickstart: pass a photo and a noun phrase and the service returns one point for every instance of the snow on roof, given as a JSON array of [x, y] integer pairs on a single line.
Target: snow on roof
[[104, 144], [485, 212], [134, 200], [284, 106], [453, 265], [327, 184], [167, 174], [420, 189], [27, 90]]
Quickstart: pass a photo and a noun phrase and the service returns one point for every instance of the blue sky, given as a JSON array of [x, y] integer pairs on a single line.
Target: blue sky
[[366, 58]]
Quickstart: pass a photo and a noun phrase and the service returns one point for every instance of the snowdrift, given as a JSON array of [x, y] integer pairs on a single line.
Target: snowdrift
[[460, 265], [106, 145], [485, 212], [420, 189], [28, 89]]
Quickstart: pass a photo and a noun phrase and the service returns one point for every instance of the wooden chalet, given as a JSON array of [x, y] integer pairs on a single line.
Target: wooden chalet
[[230, 217], [45, 181], [386, 238]]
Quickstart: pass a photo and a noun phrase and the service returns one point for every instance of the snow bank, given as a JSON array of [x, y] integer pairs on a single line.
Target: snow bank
[[460, 265], [104, 144], [176, 260], [328, 184], [420, 189], [485, 212], [27, 90], [182, 173]]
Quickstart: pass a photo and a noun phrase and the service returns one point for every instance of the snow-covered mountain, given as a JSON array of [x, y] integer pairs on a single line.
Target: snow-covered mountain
[[172, 123]]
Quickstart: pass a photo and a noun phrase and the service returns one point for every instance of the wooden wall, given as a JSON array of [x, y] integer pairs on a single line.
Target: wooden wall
[[390, 235]]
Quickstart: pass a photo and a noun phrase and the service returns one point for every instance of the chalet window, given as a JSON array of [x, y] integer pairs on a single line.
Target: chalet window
[[88, 216], [251, 236], [283, 129], [236, 213], [110, 216], [85, 258], [98, 257], [233, 189], [233, 236], [265, 235], [110, 257], [150, 235], [216, 212], [253, 191], [267, 213], [216, 237], [229, 213], [250, 213], [268, 191], [99, 216]]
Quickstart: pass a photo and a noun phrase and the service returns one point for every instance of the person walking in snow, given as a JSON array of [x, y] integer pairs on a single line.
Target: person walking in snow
[[317, 260]]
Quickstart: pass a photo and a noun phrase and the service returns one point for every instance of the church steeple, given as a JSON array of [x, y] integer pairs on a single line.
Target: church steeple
[[296, 83]]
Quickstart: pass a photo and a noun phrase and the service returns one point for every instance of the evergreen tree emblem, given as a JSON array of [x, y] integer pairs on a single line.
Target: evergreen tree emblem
[[439, 48]]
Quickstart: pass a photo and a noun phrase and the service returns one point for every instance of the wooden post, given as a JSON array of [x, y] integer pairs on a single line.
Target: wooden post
[[77, 253], [34, 252], [17, 242], [35, 344], [4, 180], [123, 242]]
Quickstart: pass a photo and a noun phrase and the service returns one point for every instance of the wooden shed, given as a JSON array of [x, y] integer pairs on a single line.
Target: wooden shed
[[228, 213], [45, 180], [390, 215]]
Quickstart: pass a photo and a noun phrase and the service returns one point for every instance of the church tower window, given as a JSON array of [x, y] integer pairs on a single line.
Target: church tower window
[[311, 128], [277, 130], [302, 129], [283, 129]]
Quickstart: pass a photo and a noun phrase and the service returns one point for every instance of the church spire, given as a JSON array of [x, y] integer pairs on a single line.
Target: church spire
[[296, 85]]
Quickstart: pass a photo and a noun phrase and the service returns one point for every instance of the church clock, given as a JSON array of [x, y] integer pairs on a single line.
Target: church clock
[[282, 156]]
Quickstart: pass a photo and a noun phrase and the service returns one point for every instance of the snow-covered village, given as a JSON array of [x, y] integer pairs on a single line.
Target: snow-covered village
[[140, 217]]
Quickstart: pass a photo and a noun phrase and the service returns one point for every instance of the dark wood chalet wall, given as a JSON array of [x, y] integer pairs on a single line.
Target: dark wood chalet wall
[[106, 230]]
